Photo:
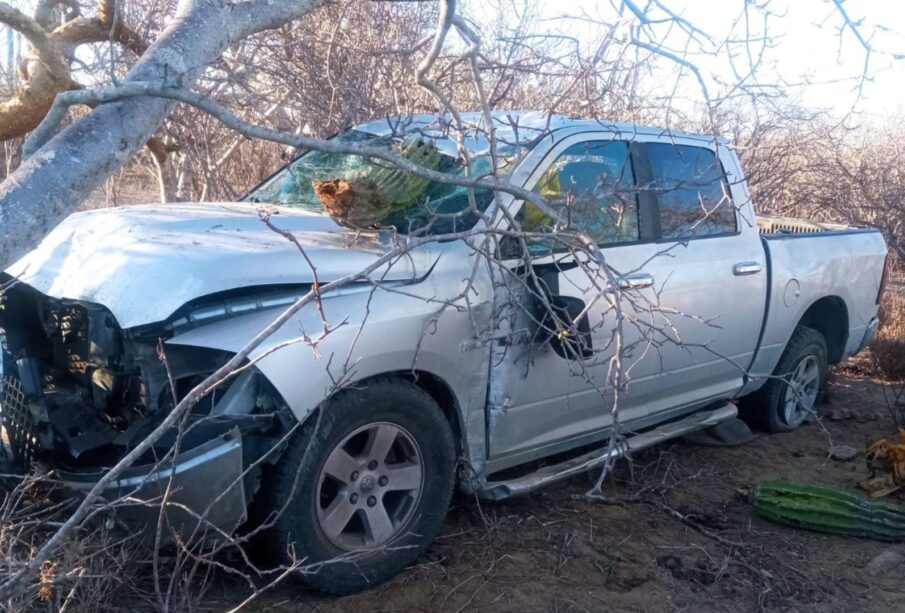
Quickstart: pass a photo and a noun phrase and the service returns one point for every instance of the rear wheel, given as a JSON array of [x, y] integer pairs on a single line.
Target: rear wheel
[[791, 397], [364, 487]]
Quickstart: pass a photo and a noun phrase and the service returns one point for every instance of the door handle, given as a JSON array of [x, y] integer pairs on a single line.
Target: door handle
[[746, 268], [635, 281]]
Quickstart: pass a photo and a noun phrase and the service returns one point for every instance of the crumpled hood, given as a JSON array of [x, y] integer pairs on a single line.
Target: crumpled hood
[[144, 262]]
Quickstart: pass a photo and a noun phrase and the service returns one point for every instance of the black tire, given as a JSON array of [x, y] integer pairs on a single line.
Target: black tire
[[298, 529], [765, 408]]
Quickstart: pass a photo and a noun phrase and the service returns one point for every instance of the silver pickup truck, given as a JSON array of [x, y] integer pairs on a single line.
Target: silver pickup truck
[[438, 369]]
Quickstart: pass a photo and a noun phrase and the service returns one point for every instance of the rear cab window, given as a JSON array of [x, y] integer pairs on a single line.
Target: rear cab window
[[691, 190]]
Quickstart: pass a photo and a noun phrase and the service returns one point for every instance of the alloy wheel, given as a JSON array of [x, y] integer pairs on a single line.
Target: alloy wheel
[[370, 486], [801, 392]]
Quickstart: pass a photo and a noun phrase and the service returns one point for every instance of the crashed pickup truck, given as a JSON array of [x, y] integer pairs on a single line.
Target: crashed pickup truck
[[441, 368]]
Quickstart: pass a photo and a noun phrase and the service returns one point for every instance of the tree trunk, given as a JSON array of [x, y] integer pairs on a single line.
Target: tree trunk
[[185, 178], [52, 183], [166, 179]]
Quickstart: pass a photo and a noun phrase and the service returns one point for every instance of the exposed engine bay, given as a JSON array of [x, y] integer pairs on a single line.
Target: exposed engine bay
[[78, 392]]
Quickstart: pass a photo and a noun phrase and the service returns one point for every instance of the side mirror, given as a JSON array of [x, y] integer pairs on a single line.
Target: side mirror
[[570, 340], [510, 248]]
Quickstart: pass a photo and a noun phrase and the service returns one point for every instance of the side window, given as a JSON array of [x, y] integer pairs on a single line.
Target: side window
[[592, 186], [692, 191]]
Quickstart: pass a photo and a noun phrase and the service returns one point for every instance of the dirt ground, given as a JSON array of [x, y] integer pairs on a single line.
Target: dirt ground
[[555, 551]]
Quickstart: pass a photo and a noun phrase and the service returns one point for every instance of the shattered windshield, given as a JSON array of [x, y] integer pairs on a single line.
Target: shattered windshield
[[364, 192]]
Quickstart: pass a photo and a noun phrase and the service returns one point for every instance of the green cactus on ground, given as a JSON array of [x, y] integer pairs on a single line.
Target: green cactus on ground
[[827, 509]]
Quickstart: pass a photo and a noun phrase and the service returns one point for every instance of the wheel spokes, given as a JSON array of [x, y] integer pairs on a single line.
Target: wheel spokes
[[380, 441], [336, 517], [340, 465], [810, 372], [378, 525], [403, 477], [801, 391], [364, 500], [791, 407]]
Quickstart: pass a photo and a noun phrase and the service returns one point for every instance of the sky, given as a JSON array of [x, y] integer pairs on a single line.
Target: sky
[[11, 43], [819, 60], [820, 65]]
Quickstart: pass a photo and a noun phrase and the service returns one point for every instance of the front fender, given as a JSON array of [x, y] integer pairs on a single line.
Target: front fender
[[374, 332]]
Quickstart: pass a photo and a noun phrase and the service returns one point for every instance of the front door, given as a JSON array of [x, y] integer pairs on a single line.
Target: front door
[[548, 389]]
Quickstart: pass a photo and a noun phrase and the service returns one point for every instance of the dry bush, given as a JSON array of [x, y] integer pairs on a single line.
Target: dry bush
[[110, 563], [889, 348], [95, 571], [807, 164], [888, 353], [351, 61]]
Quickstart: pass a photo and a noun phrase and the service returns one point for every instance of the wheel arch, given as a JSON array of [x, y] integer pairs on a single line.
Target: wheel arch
[[456, 380], [443, 395], [829, 317], [434, 385]]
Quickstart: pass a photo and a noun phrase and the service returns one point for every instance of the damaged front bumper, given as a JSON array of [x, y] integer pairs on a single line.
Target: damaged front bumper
[[78, 393], [204, 488]]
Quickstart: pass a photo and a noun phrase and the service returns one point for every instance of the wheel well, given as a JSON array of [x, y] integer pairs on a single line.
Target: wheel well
[[443, 395], [829, 316], [437, 389]]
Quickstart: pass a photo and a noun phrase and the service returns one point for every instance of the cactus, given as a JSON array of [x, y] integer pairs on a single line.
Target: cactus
[[376, 192], [826, 509]]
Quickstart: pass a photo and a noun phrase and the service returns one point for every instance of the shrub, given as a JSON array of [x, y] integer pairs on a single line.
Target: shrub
[[889, 348], [888, 353]]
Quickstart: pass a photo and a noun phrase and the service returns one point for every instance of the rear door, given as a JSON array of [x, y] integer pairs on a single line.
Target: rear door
[[709, 273]]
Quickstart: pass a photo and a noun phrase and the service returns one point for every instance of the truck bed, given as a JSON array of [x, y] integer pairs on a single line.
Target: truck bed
[[809, 261], [774, 224]]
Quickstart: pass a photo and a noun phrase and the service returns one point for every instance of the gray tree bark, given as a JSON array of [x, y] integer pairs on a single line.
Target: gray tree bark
[[56, 179]]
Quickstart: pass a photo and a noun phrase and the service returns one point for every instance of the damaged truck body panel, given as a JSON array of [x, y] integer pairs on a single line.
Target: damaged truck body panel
[[80, 389], [144, 262], [120, 312], [422, 329], [78, 392]]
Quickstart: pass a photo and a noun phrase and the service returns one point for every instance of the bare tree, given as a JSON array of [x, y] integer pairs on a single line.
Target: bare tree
[[51, 184], [54, 34]]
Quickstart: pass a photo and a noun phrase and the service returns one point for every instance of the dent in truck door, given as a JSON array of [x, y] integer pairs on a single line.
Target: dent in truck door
[[540, 397]]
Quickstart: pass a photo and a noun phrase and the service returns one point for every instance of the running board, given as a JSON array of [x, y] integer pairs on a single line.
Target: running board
[[498, 490]]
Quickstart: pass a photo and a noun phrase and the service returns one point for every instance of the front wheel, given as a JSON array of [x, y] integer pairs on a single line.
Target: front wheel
[[794, 392], [364, 487]]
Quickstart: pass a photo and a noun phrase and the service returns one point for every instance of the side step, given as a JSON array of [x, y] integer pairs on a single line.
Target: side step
[[498, 490]]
